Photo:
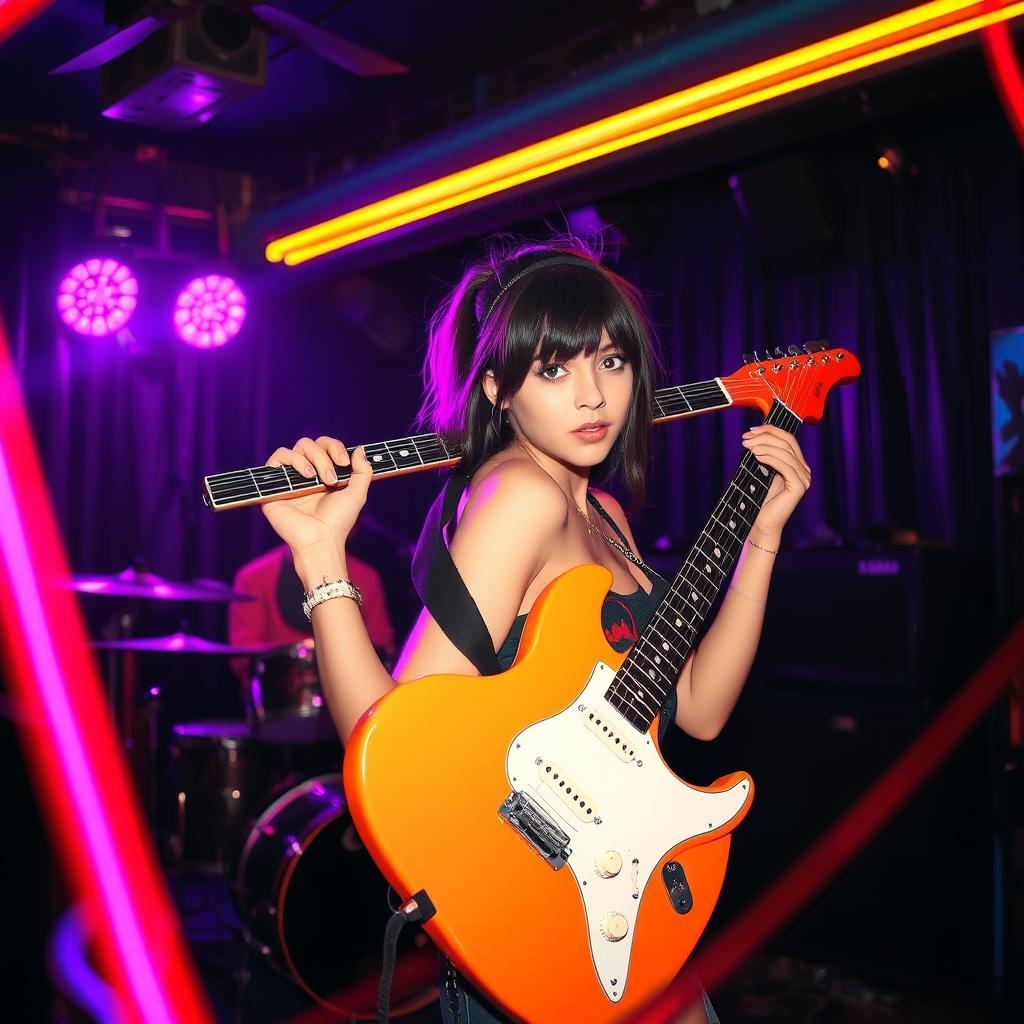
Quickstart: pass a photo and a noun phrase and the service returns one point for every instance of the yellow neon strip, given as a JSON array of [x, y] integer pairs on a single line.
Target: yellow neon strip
[[895, 36]]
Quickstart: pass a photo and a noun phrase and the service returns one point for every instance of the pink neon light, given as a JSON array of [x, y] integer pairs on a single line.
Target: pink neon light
[[209, 312], [77, 766], [97, 297], [69, 747]]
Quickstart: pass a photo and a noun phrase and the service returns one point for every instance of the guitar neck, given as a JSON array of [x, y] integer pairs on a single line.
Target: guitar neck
[[258, 484], [654, 662]]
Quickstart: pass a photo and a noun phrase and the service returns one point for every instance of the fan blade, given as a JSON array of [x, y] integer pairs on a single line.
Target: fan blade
[[122, 42], [325, 44]]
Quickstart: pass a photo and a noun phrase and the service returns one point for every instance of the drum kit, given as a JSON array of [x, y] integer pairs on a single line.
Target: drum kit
[[258, 801]]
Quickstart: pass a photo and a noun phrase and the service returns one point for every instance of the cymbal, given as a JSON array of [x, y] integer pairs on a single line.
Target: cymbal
[[138, 583], [182, 643]]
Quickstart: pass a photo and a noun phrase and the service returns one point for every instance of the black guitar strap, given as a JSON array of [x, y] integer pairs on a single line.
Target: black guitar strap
[[443, 591]]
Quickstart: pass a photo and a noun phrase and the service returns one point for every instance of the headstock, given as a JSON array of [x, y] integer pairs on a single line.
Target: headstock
[[801, 377]]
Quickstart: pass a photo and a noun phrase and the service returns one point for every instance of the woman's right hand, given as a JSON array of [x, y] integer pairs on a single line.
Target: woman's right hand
[[306, 520]]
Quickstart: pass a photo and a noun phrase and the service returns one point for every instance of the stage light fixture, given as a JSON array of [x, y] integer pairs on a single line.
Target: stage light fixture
[[97, 297], [210, 311]]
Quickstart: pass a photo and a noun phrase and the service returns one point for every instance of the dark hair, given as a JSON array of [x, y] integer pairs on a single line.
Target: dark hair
[[492, 322]]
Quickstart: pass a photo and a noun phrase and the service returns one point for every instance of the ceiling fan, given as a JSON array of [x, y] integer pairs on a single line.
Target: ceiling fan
[[226, 18]]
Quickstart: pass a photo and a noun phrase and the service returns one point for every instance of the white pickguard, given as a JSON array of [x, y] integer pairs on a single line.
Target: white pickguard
[[640, 810]]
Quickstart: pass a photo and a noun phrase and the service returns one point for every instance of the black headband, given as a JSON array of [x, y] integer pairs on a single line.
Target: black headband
[[565, 259]]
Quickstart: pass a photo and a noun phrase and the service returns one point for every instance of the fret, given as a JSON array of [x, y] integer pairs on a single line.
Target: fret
[[677, 622], [691, 398], [624, 705], [380, 458], [403, 453], [738, 508], [657, 669], [692, 571], [671, 400], [639, 697], [255, 482], [728, 524], [707, 569], [657, 688], [713, 552], [666, 643], [693, 593]]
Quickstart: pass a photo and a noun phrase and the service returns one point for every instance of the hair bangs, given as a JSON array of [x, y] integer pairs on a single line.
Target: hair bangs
[[558, 315]]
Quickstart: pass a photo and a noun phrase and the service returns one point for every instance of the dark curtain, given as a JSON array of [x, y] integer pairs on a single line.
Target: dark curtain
[[924, 274], [921, 279]]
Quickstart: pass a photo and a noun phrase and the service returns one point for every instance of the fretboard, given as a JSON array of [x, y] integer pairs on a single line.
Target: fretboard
[[653, 664], [257, 484]]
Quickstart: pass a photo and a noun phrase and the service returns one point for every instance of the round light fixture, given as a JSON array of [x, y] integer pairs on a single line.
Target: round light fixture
[[210, 311], [97, 297]]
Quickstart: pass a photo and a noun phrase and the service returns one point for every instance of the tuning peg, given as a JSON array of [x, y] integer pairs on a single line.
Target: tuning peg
[[778, 352], [816, 346], [749, 357], [793, 350]]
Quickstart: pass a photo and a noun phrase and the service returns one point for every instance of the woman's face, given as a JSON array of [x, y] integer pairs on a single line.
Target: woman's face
[[559, 398]]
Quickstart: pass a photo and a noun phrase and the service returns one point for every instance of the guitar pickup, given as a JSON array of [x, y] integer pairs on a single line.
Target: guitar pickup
[[604, 726], [566, 790], [546, 838]]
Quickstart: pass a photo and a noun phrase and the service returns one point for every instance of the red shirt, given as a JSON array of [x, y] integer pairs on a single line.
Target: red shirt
[[260, 621]]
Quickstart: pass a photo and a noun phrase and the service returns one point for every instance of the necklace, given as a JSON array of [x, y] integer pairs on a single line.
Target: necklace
[[591, 528]]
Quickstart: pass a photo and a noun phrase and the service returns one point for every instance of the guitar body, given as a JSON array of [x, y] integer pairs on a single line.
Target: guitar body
[[548, 833]]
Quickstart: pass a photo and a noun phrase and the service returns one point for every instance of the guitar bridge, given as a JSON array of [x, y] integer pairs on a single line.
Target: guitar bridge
[[546, 838]]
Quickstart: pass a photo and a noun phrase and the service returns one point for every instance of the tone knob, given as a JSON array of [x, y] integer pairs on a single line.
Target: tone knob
[[614, 926], [609, 864]]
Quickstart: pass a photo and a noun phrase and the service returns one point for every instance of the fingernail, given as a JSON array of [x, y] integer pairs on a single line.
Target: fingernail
[[331, 477]]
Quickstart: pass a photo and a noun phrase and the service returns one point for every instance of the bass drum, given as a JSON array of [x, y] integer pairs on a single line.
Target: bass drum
[[313, 903]]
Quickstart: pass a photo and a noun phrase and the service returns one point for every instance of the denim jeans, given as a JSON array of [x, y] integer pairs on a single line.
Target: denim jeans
[[473, 1007]]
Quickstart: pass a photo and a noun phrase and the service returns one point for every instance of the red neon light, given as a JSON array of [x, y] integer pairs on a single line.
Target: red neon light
[[77, 766], [14, 14], [1004, 67], [791, 890]]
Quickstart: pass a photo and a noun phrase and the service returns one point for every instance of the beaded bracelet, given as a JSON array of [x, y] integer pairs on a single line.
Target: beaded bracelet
[[325, 591]]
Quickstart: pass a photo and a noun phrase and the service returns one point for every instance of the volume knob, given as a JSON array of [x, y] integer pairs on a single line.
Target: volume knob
[[608, 865], [614, 926]]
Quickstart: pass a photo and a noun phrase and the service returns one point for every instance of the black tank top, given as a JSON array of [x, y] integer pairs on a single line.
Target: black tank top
[[623, 618]]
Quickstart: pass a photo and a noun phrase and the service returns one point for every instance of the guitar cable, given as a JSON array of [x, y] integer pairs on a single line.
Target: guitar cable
[[417, 908]]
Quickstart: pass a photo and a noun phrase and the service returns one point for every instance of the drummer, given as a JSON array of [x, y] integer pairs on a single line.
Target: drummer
[[275, 616]]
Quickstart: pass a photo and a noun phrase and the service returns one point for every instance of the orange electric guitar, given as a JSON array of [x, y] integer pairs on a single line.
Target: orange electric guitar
[[571, 871]]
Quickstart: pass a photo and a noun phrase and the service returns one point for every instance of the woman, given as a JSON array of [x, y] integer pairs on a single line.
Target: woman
[[541, 366]]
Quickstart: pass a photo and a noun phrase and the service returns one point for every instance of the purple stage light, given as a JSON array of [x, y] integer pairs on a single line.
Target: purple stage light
[[97, 297], [209, 312]]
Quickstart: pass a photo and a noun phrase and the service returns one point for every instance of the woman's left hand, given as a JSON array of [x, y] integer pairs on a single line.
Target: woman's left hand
[[777, 449]]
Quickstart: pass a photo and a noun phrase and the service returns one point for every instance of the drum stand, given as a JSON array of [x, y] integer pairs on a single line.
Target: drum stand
[[133, 713]]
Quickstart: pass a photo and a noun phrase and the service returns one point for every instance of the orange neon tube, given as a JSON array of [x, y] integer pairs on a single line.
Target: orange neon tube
[[895, 36]]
